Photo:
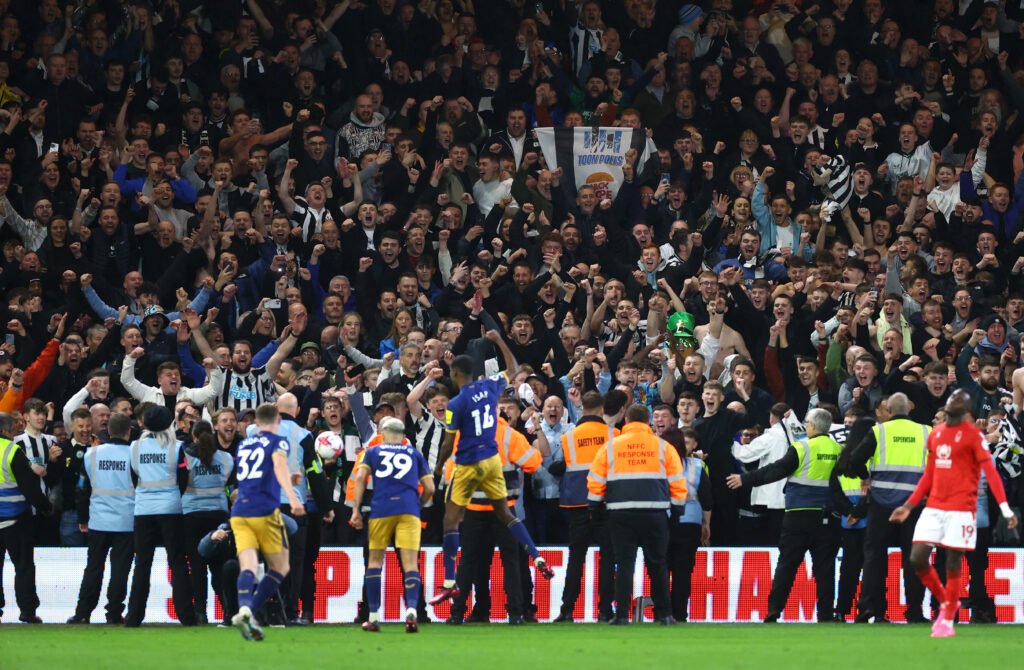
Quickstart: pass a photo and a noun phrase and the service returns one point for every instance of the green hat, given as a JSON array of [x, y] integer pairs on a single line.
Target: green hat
[[680, 325]]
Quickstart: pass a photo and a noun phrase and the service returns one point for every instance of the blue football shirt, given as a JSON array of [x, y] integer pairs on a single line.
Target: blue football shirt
[[473, 413], [259, 493], [396, 470]]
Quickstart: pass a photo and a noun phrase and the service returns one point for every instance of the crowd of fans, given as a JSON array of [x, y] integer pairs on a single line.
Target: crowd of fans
[[208, 204]]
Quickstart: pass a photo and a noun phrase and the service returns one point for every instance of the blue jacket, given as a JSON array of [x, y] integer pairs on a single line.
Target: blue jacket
[[769, 229]]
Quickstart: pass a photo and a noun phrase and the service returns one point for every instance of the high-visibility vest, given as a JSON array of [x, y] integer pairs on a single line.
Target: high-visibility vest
[[853, 492], [579, 446], [637, 470], [517, 455], [112, 500], [156, 464], [206, 484], [693, 512], [898, 461], [12, 503], [807, 487]]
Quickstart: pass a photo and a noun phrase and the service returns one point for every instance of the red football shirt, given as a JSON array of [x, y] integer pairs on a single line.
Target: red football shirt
[[956, 457]]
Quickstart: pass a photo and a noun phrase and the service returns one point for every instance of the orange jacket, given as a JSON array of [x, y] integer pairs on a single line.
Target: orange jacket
[[10, 400], [35, 374], [515, 452], [638, 470], [579, 446]]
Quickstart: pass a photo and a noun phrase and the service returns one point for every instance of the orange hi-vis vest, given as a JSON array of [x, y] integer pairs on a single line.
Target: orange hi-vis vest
[[350, 485], [516, 454], [637, 471], [579, 446]]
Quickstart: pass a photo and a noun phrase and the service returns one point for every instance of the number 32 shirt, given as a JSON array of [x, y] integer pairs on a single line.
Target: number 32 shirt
[[259, 493], [473, 415], [396, 470]]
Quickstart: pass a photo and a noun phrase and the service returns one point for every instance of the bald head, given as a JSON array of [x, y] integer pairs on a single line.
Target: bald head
[[288, 404], [899, 403]]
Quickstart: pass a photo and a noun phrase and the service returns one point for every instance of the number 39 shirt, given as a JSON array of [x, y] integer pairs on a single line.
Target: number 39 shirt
[[259, 493], [397, 470], [473, 415]]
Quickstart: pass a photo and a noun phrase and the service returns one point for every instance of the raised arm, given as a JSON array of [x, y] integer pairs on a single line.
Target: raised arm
[[511, 366], [291, 334], [138, 390], [432, 372], [287, 202]]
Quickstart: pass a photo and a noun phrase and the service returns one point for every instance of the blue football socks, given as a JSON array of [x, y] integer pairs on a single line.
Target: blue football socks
[[450, 546], [246, 586], [522, 536], [269, 585], [412, 589], [373, 592]]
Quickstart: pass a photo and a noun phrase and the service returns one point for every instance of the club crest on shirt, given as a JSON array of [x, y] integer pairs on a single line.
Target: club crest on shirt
[[944, 456]]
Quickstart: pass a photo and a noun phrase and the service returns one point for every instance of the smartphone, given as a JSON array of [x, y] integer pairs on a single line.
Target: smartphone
[[666, 176], [9, 338], [385, 146], [224, 265], [356, 370], [54, 148], [538, 7], [274, 303]]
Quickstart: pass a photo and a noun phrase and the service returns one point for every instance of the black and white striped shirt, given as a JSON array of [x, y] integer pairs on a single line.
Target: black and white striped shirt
[[426, 433], [246, 390], [310, 220], [37, 449], [838, 186]]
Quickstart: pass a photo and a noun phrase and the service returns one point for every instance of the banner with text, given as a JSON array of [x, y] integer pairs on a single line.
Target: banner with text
[[728, 585], [594, 156]]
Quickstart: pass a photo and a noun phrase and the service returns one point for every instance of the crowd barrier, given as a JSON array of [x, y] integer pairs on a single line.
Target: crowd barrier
[[728, 586]]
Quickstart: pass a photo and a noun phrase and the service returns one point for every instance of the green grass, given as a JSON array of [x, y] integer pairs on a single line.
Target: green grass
[[497, 646]]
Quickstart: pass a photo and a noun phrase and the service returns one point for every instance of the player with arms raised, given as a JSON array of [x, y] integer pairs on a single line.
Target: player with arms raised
[[473, 414], [956, 458], [256, 521], [398, 469]]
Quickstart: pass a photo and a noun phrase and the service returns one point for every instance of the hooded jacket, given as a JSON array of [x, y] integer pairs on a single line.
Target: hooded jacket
[[361, 136]]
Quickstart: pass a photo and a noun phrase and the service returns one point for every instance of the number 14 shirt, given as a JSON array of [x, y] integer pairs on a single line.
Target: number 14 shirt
[[473, 415], [397, 470]]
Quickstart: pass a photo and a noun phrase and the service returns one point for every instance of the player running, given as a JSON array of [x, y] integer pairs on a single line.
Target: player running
[[473, 414], [956, 457], [398, 470], [256, 521]]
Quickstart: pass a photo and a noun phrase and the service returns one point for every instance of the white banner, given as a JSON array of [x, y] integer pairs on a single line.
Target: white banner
[[728, 585], [594, 156]]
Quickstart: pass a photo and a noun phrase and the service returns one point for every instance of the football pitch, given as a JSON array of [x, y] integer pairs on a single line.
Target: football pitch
[[497, 646]]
